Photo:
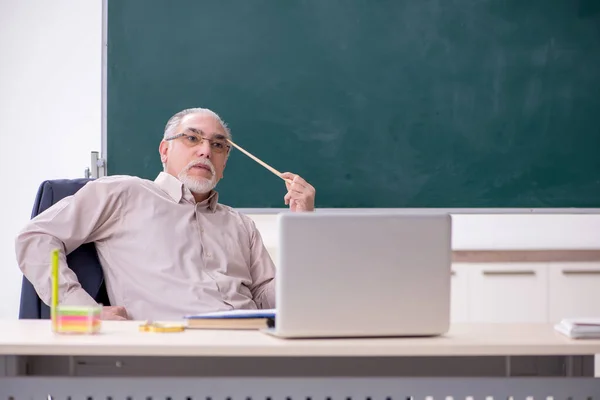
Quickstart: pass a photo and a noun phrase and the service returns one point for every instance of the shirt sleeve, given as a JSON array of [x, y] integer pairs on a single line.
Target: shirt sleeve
[[90, 215], [262, 271]]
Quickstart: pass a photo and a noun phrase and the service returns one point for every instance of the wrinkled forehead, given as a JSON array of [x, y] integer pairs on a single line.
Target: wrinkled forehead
[[207, 124]]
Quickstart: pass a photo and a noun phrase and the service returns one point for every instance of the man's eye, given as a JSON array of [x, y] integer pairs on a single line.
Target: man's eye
[[192, 139], [218, 145]]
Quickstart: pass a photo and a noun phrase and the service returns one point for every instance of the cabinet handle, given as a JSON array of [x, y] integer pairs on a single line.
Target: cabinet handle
[[504, 273], [581, 271], [452, 273]]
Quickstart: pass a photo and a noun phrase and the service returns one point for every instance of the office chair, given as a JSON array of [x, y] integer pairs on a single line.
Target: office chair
[[83, 260]]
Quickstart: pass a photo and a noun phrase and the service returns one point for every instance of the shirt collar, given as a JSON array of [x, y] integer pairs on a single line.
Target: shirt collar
[[177, 191]]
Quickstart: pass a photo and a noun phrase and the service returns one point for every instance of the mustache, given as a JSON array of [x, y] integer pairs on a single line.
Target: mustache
[[200, 162]]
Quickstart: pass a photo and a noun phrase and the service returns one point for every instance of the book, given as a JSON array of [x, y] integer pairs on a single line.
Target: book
[[579, 328], [234, 319]]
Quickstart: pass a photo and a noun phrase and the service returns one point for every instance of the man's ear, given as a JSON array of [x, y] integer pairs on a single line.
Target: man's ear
[[162, 149]]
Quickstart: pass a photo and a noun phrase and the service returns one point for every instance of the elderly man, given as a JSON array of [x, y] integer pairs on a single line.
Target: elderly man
[[167, 247]]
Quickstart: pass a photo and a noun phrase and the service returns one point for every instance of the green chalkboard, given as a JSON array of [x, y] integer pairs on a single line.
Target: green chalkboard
[[422, 103]]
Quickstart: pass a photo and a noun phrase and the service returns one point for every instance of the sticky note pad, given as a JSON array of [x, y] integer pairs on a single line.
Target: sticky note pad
[[77, 319]]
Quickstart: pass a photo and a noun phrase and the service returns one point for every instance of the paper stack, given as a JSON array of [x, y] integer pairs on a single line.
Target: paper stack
[[579, 328]]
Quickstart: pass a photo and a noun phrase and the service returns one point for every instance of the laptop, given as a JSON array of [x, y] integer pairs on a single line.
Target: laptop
[[363, 275]]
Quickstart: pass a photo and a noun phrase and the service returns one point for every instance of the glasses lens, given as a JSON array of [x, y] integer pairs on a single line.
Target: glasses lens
[[193, 139]]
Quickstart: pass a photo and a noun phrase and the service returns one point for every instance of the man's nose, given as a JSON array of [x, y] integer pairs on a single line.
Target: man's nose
[[203, 149]]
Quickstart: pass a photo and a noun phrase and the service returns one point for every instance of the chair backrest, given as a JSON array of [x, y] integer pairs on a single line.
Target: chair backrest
[[83, 260]]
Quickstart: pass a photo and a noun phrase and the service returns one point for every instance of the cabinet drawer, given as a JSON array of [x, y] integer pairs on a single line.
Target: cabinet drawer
[[574, 290], [515, 292]]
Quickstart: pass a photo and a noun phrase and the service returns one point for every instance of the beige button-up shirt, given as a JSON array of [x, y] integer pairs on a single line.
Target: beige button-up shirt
[[163, 255]]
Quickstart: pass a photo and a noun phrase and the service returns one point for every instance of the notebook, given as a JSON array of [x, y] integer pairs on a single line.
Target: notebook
[[579, 328], [234, 319]]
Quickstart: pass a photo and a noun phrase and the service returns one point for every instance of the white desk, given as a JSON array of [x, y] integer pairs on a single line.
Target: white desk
[[34, 337], [487, 356]]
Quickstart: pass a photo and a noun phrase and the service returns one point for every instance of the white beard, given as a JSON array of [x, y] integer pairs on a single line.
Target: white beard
[[197, 184]]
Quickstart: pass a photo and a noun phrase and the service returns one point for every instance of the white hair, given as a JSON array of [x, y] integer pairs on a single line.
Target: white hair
[[175, 120]]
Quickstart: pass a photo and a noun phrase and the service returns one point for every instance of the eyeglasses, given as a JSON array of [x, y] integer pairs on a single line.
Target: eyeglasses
[[219, 146]]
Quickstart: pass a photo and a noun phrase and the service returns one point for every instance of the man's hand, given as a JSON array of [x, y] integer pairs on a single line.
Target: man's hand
[[116, 313], [300, 195]]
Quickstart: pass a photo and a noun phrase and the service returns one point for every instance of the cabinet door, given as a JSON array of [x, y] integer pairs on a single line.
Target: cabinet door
[[574, 290], [459, 306], [508, 293]]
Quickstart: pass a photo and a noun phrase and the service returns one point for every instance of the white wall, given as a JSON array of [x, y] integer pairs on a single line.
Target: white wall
[[50, 110]]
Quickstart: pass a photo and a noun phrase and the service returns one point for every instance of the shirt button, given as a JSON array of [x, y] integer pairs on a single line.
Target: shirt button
[[208, 255]]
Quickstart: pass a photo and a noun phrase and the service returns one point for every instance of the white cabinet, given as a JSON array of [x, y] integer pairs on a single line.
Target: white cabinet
[[524, 292], [459, 306], [574, 290], [511, 292]]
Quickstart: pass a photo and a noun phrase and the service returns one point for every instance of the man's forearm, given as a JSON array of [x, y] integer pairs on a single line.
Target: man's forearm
[[266, 295]]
